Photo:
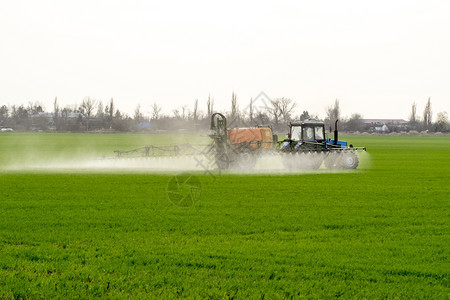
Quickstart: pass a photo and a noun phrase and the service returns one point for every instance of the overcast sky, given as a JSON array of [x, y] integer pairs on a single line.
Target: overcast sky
[[376, 57]]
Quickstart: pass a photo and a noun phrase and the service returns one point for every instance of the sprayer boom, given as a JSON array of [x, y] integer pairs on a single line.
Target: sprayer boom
[[306, 147]]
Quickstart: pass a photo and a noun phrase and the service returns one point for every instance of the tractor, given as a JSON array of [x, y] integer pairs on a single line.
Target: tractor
[[306, 147]]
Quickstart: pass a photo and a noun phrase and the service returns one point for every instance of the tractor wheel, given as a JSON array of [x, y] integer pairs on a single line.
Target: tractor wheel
[[223, 161], [349, 160], [246, 160], [317, 159], [306, 161], [303, 161], [288, 160], [332, 160]]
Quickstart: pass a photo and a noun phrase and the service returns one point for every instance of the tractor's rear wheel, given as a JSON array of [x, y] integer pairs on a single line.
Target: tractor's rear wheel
[[246, 160], [342, 160], [349, 160], [223, 161]]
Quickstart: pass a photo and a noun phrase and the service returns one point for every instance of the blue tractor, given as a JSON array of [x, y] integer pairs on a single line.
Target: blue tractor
[[307, 147]]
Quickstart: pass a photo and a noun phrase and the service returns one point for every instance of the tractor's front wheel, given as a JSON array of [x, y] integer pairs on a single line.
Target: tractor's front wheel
[[315, 160], [332, 161]]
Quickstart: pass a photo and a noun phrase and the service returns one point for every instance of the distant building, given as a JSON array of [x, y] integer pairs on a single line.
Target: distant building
[[46, 121], [144, 124], [385, 125]]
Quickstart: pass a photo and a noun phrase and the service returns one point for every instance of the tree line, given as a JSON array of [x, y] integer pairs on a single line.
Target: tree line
[[97, 115]]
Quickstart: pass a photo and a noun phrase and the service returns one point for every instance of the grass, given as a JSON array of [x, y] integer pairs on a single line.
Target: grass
[[380, 232]]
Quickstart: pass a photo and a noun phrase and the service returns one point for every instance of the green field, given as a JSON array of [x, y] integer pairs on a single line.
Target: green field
[[378, 232]]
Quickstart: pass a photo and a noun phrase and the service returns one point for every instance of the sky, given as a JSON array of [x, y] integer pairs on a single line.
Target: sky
[[375, 57]]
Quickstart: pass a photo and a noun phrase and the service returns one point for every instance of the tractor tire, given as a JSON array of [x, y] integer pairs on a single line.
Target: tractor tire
[[332, 160], [223, 161], [287, 160], [303, 161], [300, 161], [246, 160], [315, 160], [349, 160]]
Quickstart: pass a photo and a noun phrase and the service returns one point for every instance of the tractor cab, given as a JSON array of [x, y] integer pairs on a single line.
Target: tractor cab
[[307, 131], [308, 135]]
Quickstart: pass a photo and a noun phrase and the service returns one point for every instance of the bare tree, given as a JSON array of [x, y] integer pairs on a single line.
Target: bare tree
[[305, 116], [176, 114], [64, 117], [442, 124], [250, 106], [111, 109], [100, 112], [88, 105], [34, 108], [210, 105], [156, 110], [106, 111], [109, 112], [118, 115], [262, 118], [274, 110], [138, 114], [56, 113], [354, 123], [285, 107], [195, 111], [4, 114], [182, 114], [185, 114], [20, 116], [234, 107], [413, 116], [333, 112], [427, 114]]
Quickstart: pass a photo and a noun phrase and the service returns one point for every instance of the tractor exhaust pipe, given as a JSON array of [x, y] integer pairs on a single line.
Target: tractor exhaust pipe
[[336, 135]]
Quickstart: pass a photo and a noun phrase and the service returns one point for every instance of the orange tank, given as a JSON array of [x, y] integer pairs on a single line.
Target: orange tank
[[267, 138], [254, 136]]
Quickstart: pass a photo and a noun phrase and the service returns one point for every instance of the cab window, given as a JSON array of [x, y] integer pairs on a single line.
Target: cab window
[[308, 133], [319, 133], [296, 133]]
